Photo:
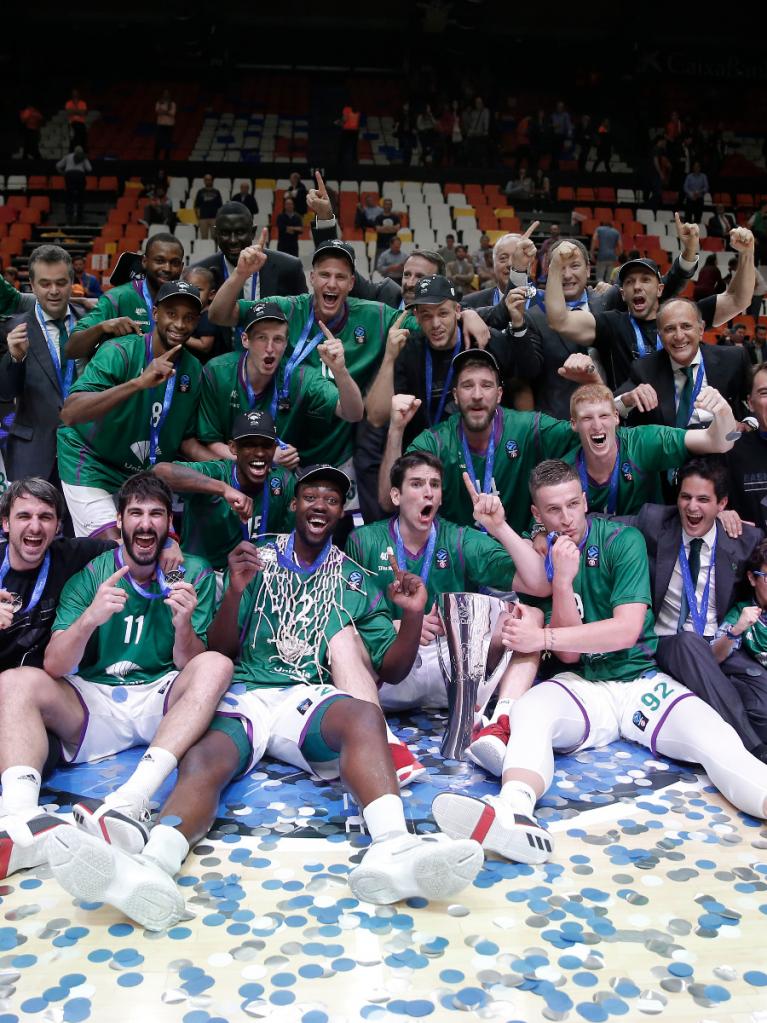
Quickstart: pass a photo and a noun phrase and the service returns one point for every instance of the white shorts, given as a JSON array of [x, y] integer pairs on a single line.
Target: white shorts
[[622, 710], [423, 686], [90, 508], [117, 717], [277, 722]]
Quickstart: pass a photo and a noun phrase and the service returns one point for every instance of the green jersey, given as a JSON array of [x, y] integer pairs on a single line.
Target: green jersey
[[104, 453], [124, 300], [614, 571], [520, 440], [643, 452], [287, 619], [312, 400], [135, 646], [211, 529], [755, 637], [462, 559], [10, 298], [363, 329]]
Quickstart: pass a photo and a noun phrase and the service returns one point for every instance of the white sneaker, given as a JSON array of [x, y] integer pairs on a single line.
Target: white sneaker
[[91, 870], [494, 825], [113, 824], [488, 746], [23, 840], [401, 867]]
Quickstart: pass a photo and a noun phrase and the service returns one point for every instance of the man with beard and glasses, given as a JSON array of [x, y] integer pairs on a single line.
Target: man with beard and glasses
[[127, 665], [289, 615], [129, 308], [496, 446], [134, 405]]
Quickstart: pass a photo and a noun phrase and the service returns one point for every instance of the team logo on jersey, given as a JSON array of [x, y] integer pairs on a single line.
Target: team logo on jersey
[[184, 383], [360, 335], [140, 449], [512, 449], [442, 558], [592, 556], [275, 486], [639, 720], [354, 582], [626, 472]]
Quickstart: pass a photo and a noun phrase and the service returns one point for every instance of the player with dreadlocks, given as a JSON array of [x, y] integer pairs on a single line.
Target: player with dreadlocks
[[285, 615]]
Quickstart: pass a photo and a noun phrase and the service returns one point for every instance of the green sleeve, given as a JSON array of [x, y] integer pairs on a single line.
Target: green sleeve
[[734, 613], [425, 441], [10, 298], [103, 310], [204, 583], [319, 395], [213, 470], [354, 549], [109, 367], [376, 631], [553, 437], [244, 307], [210, 420], [76, 597], [629, 569], [659, 447], [487, 561], [390, 316]]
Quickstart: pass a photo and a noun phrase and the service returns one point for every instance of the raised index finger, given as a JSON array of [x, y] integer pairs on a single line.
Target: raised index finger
[[470, 487], [325, 331], [678, 221], [393, 562], [115, 577], [263, 241], [320, 184], [171, 352], [531, 230], [400, 319]]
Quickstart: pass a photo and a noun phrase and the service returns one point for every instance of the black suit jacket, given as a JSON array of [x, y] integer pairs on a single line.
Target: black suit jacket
[[662, 529], [714, 226], [34, 384], [479, 299], [281, 274], [726, 369]]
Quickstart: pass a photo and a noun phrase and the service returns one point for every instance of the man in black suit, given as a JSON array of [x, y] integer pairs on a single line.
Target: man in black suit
[[34, 371], [691, 595], [719, 224], [662, 387]]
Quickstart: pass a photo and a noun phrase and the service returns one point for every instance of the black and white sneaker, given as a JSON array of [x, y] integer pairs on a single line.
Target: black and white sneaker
[[494, 825], [112, 824], [23, 842]]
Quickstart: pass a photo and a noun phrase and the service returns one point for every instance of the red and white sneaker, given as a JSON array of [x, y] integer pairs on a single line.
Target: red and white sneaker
[[488, 747], [23, 842], [494, 825], [112, 824], [406, 767]]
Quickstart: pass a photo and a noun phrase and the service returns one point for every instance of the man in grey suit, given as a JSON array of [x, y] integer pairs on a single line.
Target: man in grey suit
[[697, 574], [34, 372]]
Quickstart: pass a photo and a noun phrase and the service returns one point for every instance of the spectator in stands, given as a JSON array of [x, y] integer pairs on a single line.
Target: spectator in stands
[[476, 131], [368, 213], [159, 210], [426, 128], [461, 272], [758, 224], [760, 340], [244, 196], [719, 224], [584, 139], [561, 133], [391, 262], [350, 133], [447, 252], [77, 112], [521, 187], [451, 133], [695, 189], [541, 188], [604, 145], [32, 121], [207, 203], [709, 280], [165, 114], [760, 290], [289, 228], [386, 224], [297, 192], [404, 130], [88, 282], [606, 249], [75, 167], [659, 174]]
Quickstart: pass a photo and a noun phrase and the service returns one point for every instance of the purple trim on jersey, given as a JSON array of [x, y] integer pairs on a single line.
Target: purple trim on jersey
[[103, 528], [461, 534], [582, 709], [86, 719], [666, 712], [421, 550], [83, 452]]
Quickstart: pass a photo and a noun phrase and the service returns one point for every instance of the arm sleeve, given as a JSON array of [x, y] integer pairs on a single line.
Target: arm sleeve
[[103, 310], [487, 561], [660, 447], [76, 597], [10, 298], [205, 586], [319, 395], [210, 428], [12, 377], [107, 368], [630, 569], [518, 356]]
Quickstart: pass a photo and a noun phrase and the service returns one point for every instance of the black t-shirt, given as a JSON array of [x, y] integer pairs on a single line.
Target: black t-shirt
[[208, 201], [747, 462], [386, 220], [616, 341], [24, 642], [222, 339], [288, 242]]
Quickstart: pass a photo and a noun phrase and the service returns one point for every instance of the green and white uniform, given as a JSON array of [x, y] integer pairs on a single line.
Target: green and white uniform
[[754, 639], [643, 452], [127, 669], [313, 400], [124, 300], [211, 529], [522, 440]]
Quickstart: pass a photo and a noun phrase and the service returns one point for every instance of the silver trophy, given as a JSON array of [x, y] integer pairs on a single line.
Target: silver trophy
[[472, 659]]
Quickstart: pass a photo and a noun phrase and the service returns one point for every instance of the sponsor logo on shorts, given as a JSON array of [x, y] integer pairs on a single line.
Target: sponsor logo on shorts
[[360, 335], [184, 383], [354, 582], [626, 472], [304, 705], [639, 720], [512, 449], [275, 485], [592, 556], [442, 558]]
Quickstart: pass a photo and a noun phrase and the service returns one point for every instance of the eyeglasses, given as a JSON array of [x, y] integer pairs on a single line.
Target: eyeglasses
[[762, 575]]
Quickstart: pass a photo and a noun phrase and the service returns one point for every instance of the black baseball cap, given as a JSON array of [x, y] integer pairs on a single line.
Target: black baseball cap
[[334, 247], [264, 311], [476, 355], [128, 266], [254, 424], [634, 264], [173, 288], [433, 290], [324, 472]]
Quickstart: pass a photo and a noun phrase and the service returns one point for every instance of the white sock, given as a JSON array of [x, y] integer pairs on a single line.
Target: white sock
[[391, 737], [519, 796], [385, 816], [21, 789], [153, 768], [168, 847], [503, 706]]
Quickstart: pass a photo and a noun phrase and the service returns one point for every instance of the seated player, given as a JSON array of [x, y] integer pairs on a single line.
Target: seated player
[[745, 625], [285, 614], [303, 404], [619, 467], [126, 665], [134, 404], [600, 621], [230, 501]]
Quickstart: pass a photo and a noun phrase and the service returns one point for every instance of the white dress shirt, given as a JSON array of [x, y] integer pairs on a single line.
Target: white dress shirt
[[668, 619], [247, 291]]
